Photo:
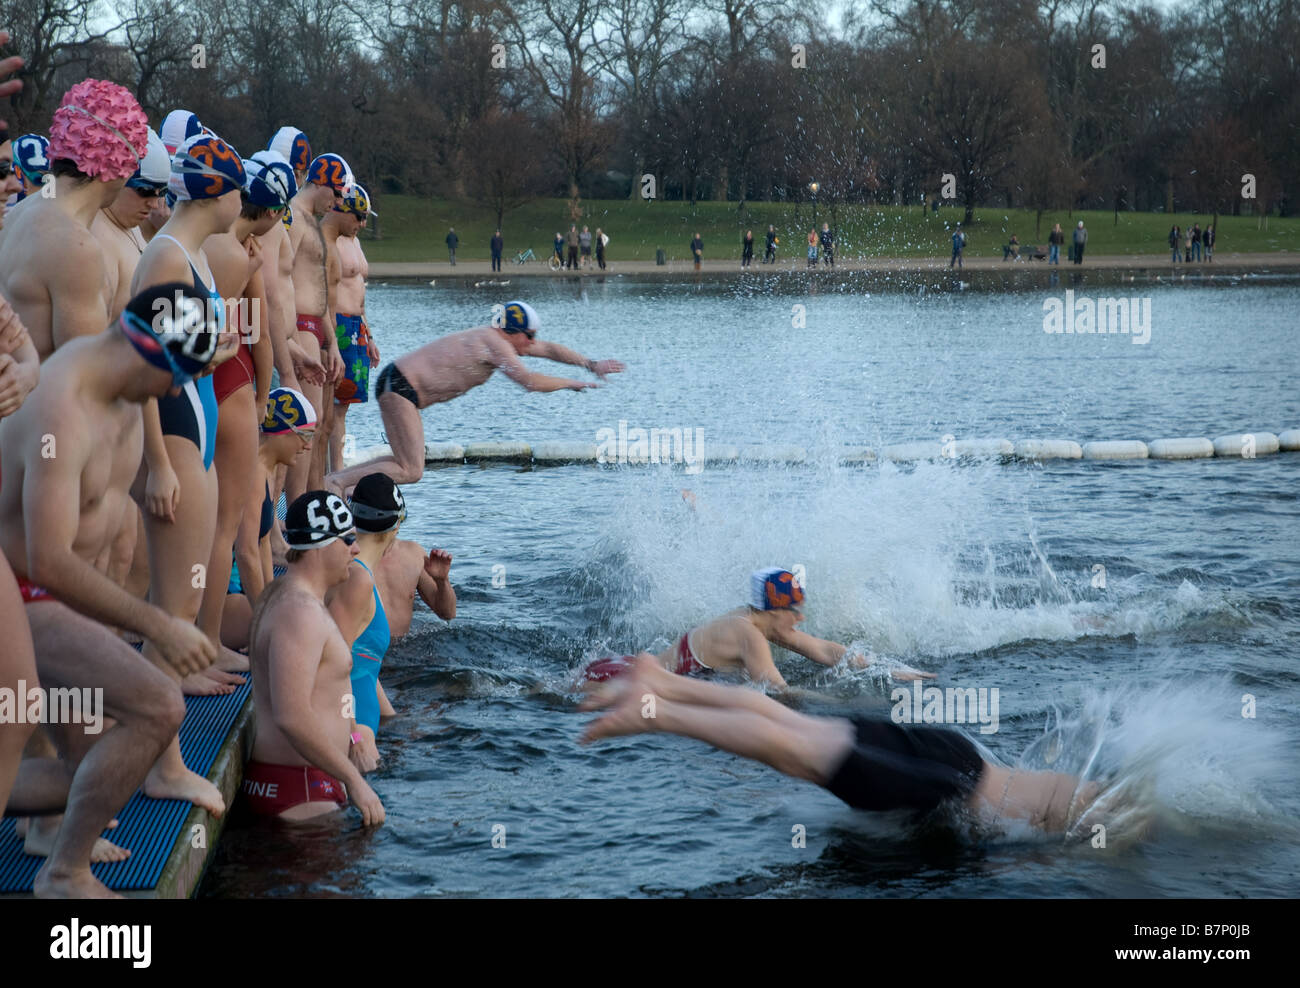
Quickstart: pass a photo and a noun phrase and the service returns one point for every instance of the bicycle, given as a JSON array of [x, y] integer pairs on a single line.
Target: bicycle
[[525, 255], [556, 262]]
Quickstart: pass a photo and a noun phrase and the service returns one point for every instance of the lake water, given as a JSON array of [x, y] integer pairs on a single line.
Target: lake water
[[983, 573]]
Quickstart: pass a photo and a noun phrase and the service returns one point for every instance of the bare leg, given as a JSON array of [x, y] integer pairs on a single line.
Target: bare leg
[[75, 652], [17, 664], [385, 707], [236, 620], [174, 551], [337, 432], [320, 451], [405, 431], [295, 481], [235, 462], [794, 744], [137, 579]]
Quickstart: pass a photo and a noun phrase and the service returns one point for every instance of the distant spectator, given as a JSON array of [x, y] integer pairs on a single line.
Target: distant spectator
[[1013, 249], [559, 247], [1175, 235], [1207, 238], [1196, 241], [697, 250], [828, 245], [452, 241], [1080, 241], [1187, 247], [812, 248], [571, 240], [747, 249], [958, 245], [769, 254], [601, 240], [584, 241], [497, 244], [1054, 241]]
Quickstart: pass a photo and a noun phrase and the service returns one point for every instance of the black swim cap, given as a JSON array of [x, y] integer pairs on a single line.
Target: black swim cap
[[316, 519], [377, 503], [174, 327]]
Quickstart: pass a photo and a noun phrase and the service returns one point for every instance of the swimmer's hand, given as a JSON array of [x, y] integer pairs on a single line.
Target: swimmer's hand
[[333, 364], [900, 673], [13, 333], [162, 492], [438, 564], [372, 351], [365, 755], [308, 368], [184, 647], [254, 255], [15, 385], [581, 385], [8, 67], [365, 800], [904, 674], [602, 367]]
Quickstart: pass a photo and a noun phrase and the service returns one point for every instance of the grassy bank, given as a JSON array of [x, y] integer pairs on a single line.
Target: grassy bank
[[413, 229]]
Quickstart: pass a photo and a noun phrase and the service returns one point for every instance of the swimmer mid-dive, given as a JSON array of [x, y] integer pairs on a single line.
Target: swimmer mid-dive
[[869, 763], [742, 639]]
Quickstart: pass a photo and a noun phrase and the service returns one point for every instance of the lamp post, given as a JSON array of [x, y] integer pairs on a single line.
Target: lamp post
[[813, 187]]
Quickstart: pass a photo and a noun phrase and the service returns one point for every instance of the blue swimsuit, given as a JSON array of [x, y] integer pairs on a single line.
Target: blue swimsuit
[[367, 656]]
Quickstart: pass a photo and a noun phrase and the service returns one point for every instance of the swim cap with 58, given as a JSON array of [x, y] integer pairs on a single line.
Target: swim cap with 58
[[316, 519]]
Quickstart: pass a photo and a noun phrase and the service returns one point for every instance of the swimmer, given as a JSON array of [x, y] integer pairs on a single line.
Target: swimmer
[[347, 272], [55, 521], [869, 763], [739, 639], [450, 366], [52, 269], [300, 765], [241, 386], [378, 511], [327, 176]]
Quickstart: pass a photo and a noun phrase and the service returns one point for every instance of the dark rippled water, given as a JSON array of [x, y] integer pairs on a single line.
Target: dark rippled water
[[982, 573]]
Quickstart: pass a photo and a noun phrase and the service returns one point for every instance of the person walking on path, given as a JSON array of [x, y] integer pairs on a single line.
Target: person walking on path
[[1080, 241], [572, 242], [769, 255], [697, 250], [958, 245], [1175, 235], [747, 249], [452, 242], [601, 240], [1054, 241], [828, 245], [812, 248], [496, 245]]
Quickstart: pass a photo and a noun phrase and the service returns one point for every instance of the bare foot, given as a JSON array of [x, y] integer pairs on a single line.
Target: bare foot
[[230, 661], [41, 832], [188, 786], [199, 684], [79, 884]]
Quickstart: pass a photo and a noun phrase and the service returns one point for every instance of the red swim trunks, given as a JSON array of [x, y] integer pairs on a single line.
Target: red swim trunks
[[687, 663], [269, 789], [31, 592], [605, 669], [314, 325]]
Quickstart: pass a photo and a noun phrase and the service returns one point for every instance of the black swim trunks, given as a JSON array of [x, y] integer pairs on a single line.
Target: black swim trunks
[[905, 766], [391, 379]]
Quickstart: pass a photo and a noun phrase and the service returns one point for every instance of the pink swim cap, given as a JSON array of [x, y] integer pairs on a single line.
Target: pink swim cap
[[100, 128]]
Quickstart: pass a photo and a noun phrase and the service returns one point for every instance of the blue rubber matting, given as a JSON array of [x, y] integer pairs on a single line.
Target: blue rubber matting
[[148, 827]]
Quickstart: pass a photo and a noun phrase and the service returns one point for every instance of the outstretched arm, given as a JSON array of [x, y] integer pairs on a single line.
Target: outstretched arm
[[563, 355], [757, 655], [502, 356]]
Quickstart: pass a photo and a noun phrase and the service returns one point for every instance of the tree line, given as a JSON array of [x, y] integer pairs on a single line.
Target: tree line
[[1045, 104]]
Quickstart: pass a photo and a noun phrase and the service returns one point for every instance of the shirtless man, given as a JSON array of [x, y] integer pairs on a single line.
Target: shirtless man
[[740, 639], [869, 763], [58, 513], [242, 384], [52, 269], [300, 766], [327, 177], [450, 366], [347, 272], [115, 226]]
